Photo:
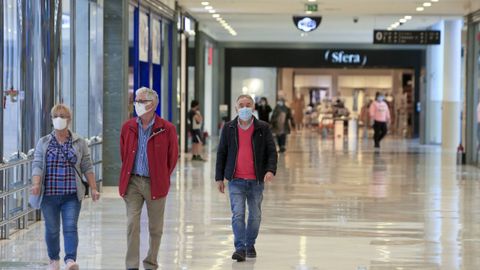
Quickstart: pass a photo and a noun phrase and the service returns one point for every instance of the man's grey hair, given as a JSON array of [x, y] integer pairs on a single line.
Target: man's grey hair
[[245, 96], [151, 94]]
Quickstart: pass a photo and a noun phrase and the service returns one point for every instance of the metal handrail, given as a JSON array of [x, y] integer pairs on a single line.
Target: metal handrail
[[9, 165], [21, 175]]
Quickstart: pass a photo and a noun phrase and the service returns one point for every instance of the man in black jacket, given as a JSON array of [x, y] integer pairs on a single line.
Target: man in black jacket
[[247, 158]]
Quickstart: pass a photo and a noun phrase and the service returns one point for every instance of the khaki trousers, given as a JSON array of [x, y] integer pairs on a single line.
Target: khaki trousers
[[138, 192]]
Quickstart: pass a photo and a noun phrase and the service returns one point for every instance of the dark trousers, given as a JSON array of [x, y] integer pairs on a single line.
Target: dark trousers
[[380, 129], [281, 140]]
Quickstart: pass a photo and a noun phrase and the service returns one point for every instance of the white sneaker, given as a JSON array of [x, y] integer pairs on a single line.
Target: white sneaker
[[54, 265], [71, 265]]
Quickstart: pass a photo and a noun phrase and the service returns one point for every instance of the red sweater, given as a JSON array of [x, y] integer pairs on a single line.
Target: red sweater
[[245, 163]]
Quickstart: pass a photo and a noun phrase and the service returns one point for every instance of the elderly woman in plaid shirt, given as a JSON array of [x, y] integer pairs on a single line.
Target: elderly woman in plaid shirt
[[59, 160]]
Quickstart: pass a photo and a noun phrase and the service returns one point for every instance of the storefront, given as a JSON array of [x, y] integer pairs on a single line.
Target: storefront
[[52, 52], [151, 37], [472, 135], [316, 74]]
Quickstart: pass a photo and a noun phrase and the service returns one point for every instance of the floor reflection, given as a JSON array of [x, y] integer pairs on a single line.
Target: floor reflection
[[333, 205]]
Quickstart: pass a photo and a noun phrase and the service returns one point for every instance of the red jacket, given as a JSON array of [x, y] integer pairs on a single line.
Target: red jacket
[[162, 152]]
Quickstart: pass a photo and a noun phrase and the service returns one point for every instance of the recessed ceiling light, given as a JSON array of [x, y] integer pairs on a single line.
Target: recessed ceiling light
[[434, 1], [219, 19], [308, 12], [403, 20], [205, 3], [208, 7], [420, 9], [216, 15], [212, 11], [427, 4], [408, 17], [389, 28], [312, 0]]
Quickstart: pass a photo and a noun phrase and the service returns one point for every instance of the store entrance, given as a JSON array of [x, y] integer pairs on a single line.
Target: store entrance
[[317, 96], [307, 74]]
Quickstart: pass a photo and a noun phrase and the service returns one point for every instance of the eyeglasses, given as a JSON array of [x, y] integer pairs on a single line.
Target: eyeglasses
[[142, 101]]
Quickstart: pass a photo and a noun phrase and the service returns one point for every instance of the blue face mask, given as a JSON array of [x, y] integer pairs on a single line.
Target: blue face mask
[[245, 113]]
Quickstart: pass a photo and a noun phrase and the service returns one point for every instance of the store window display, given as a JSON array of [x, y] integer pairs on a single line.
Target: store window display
[[478, 126]]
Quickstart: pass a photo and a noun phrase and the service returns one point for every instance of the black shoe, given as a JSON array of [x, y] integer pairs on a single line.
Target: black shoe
[[251, 252], [194, 157], [239, 255]]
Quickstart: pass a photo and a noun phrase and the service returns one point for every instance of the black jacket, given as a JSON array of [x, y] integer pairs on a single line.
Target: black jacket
[[264, 150], [263, 112]]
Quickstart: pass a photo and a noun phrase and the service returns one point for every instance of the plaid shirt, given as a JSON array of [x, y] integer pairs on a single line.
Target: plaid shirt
[[60, 176]]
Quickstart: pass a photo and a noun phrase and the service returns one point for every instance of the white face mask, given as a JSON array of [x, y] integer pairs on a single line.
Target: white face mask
[[59, 123], [141, 109]]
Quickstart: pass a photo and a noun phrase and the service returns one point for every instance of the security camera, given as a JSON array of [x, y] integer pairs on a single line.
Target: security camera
[[355, 19]]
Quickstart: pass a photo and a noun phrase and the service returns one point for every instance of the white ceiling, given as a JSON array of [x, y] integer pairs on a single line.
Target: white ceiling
[[271, 20]]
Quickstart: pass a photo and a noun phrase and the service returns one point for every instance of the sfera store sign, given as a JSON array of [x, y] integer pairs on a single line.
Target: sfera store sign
[[342, 57]]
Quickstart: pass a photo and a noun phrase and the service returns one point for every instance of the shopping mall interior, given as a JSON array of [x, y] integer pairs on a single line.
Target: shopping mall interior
[[339, 199]]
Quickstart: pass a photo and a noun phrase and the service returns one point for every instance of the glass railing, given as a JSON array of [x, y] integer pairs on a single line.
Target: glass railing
[[15, 180]]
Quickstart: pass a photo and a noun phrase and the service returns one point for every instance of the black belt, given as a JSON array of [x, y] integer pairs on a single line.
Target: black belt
[[134, 174]]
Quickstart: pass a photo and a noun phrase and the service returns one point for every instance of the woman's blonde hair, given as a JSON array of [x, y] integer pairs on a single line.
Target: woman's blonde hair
[[61, 107]]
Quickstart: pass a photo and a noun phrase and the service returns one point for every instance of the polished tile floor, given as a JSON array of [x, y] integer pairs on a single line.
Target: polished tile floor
[[332, 206]]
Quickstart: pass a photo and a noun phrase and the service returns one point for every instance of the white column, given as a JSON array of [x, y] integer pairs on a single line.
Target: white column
[[451, 128], [435, 55], [208, 90]]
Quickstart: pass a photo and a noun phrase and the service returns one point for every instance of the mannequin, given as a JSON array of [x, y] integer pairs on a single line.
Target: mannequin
[[298, 105]]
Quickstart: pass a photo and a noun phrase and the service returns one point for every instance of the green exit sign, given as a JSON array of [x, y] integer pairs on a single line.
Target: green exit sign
[[311, 7]]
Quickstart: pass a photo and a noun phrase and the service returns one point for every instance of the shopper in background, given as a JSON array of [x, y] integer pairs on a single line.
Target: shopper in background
[[281, 122], [60, 160], [380, 115], [247, 158], [195, 120], [264, 110], [149, 154]]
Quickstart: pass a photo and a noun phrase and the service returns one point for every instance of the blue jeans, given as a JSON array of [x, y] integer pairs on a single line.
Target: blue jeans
[[68, 207], [251, 192]]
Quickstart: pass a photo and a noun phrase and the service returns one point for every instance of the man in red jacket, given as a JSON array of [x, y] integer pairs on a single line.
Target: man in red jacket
[[149, 153]]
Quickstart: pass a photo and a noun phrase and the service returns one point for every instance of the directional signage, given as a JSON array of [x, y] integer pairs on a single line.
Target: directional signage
[[311, 7], [406, 37]]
